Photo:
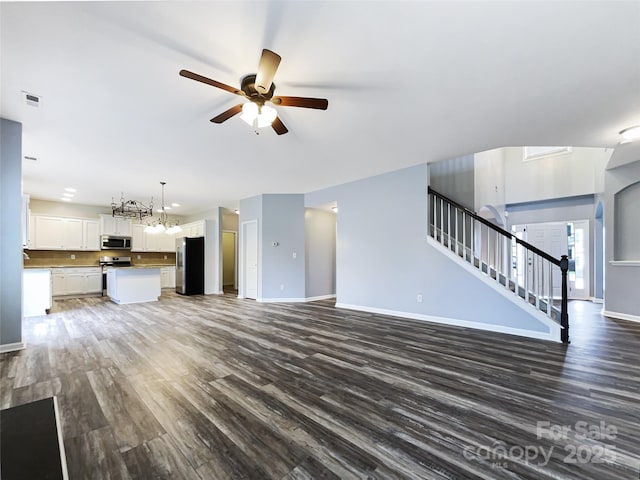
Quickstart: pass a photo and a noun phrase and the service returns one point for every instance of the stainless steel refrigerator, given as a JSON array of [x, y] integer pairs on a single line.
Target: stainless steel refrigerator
[[190, 266]]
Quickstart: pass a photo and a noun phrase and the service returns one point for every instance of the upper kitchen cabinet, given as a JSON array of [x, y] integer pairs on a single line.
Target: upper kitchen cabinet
[[91, 235], [118, 226], [194, 229], [61, 233], [137, 237], [142, 241]]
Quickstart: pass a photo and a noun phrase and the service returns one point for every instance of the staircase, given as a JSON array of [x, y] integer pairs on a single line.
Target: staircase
[[529, 273]]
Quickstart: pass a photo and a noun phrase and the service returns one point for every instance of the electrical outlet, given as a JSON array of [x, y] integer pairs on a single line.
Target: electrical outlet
[[282, 288], [295, 254], [138, 257], [165, 257], [419, 299], [73, 257]]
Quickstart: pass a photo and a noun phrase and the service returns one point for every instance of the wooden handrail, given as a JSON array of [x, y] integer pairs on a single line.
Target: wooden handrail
[[486, 222]]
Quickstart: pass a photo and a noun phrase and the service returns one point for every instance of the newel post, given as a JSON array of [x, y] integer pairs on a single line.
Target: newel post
[[564, 308]]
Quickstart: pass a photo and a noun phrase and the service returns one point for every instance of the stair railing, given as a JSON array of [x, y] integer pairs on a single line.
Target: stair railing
[[530, 273]]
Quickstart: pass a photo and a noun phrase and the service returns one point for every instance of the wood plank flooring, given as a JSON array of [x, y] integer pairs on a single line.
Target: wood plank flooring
[[215, 387]]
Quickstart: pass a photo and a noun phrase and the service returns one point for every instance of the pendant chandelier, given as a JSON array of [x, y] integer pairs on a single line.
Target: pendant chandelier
[[131, 208], [162, 223]]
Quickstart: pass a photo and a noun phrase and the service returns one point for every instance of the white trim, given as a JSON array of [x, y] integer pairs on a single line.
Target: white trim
[[553, 336], [508, 294], [240, 297], [63, 456], [320, 297], [625, 263], [13, 347], [621, 316], [597, 300], [280, 300], [543, 152]]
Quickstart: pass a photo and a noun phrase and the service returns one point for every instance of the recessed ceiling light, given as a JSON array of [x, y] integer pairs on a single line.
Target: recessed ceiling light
[[335, 209], [66, 199], [68, 195], [69, 189], [237, 211], [175, 204], [631, 133]]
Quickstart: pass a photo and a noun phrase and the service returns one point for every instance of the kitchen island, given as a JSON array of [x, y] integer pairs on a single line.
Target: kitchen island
[[133, 284]]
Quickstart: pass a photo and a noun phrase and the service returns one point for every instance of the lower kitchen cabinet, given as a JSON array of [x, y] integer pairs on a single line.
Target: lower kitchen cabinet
[[168, 277], [76, 281]]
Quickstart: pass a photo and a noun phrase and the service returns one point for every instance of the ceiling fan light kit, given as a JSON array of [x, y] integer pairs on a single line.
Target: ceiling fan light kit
[[259, 89]]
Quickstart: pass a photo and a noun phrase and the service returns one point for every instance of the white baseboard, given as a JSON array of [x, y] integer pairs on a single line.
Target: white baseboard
[[553, 335], [621, 316], [320, 297], [12, 347], [280, 300], [597, 300]]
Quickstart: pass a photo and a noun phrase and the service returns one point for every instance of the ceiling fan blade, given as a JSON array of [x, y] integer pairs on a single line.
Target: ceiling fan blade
[[208, 81], [226, 115], [317, 103], [279, 127], [269, 62]]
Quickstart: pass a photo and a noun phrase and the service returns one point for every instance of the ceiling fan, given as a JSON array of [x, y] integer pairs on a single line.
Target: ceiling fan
[[258, 89]]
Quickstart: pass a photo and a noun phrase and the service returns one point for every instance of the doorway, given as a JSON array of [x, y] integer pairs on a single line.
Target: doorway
[[557, 239], [229, 261], [249, 260]]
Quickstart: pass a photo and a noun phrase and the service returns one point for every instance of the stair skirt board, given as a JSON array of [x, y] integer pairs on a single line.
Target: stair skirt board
[[553, 325], [621, 316], [553, 335]]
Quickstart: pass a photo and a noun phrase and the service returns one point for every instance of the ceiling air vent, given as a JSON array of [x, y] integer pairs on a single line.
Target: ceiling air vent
[[31, 99], [30, 159]]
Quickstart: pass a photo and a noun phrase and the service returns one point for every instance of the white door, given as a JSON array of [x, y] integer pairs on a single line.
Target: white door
[[550, 238], [579, 271], [250, 259]]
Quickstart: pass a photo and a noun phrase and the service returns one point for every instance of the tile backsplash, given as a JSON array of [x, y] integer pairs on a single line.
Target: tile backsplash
[[62, 258]]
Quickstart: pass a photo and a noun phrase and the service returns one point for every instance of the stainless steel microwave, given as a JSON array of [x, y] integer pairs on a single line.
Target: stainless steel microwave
[[110, 242]]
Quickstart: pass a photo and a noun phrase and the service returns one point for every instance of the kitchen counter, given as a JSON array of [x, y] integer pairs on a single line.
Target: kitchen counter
[[133, 284]]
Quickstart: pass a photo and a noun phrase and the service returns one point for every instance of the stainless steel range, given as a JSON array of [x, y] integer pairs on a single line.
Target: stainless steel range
[[106, 262]]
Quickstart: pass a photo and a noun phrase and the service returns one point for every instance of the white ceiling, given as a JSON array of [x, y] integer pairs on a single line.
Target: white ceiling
[[407, 83]]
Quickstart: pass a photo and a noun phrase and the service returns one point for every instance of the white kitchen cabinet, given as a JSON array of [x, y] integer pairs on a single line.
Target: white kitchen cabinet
[[142, 241], [168, 277], [137, 237], [194, 229], [76, 280], [118, 226], [160, 242], [62, 233], [90, 235], [94, 281]]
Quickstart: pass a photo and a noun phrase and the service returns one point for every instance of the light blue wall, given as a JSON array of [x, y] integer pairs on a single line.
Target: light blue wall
[[621, 282], [283, 276], [280, 219], [383, 260], [455, 178], [10, 232]]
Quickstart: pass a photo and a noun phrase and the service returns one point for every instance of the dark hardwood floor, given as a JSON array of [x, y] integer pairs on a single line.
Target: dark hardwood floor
[[216, 387]]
